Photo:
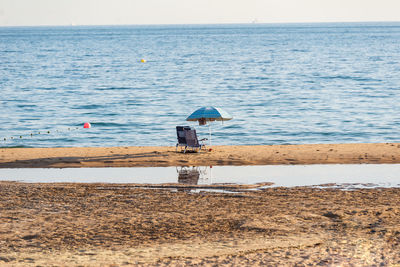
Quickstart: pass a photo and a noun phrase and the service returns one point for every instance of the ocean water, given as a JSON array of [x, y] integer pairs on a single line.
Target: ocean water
[[282, 83]]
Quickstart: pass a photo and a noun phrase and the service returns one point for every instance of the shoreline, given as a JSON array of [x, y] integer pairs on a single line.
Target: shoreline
[[165, 156]]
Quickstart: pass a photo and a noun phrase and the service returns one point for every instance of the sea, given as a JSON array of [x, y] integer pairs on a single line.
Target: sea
[[282, 83]]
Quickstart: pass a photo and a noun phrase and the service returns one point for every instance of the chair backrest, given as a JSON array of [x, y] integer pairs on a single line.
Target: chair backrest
[[181, 134], [191, 138]]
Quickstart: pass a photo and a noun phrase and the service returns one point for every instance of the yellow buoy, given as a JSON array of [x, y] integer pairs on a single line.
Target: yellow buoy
[[143, 60]]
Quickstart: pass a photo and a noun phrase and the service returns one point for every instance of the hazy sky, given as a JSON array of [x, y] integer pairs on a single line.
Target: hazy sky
[[99, 12]]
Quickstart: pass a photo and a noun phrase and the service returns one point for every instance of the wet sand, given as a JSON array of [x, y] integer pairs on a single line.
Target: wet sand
[[119, 225], [220, 155]]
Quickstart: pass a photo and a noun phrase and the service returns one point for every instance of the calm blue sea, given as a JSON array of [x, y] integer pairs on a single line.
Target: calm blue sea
[[282, 83]]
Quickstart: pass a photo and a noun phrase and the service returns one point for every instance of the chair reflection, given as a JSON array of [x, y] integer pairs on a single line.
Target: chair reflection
[[190, 176]]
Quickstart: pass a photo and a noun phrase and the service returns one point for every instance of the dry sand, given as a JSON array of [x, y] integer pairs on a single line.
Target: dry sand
[[117, 225], [220, 155], [122, 225]]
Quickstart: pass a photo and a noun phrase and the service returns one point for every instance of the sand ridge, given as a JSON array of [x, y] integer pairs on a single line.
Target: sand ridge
[[142, 156]]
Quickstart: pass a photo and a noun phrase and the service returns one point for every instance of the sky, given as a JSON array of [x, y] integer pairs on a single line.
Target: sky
[[127, 12]]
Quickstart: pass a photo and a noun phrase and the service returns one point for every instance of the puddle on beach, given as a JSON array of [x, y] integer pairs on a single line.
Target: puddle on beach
[[220, 178]]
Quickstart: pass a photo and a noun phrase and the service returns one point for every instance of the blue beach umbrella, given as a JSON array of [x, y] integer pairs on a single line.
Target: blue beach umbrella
[[206, 115]]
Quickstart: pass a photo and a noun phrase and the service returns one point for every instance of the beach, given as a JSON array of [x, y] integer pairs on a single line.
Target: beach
[[120, 225], [98, 224], [305, 166], [162, 156]]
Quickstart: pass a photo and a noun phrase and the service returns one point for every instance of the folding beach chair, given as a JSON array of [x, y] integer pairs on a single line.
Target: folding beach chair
[[180, 132], [187, 138], [192, 142]]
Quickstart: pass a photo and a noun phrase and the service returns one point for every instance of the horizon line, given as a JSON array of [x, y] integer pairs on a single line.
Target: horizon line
[[199, 24]]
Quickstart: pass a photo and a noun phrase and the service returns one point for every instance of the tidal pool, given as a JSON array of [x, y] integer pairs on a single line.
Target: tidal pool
[[343, 175]]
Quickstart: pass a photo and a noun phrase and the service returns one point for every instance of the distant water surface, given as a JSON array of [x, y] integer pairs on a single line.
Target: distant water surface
[[283, 83]]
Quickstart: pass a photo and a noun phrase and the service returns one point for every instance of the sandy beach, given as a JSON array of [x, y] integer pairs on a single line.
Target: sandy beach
[[119, 225], [142, 156], [77, 224]]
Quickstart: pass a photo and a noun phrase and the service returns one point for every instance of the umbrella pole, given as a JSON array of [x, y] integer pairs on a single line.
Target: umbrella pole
[[209, 132]]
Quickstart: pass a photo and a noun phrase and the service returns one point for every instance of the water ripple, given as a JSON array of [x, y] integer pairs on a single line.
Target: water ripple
[[284, 84]]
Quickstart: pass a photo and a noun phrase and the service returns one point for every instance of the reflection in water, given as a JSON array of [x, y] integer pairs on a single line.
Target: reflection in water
[[382, 175], [188, 176], [192, 176]]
